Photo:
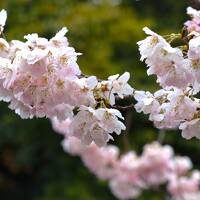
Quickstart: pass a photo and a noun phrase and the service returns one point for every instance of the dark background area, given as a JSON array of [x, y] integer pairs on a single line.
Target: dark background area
[[33, 165]]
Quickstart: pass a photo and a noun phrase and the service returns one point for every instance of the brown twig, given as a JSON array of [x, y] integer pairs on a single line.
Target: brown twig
[[161, 136], [127, 97], [123, 108], [194, 3], [126, 141]]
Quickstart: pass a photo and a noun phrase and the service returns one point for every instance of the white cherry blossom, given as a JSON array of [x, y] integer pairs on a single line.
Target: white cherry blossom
[[3, 18]]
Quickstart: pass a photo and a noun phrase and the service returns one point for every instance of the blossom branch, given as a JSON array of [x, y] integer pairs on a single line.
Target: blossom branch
[[125, 98]]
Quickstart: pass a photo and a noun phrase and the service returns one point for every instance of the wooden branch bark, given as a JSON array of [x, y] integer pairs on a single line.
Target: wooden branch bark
[[194, 3]]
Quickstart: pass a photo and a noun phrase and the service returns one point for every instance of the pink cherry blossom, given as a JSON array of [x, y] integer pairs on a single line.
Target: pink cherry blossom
[[190, 129], [96, 125], [73, 146], [124, 190], [155, 163], [61, 127], [115, 85], [181, 165], [101, 161], [193, 55], [181, 186], [149, 45], [164, 61], [193, 25]]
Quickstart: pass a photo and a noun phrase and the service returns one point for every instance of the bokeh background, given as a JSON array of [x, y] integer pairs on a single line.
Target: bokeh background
[[33, 165]]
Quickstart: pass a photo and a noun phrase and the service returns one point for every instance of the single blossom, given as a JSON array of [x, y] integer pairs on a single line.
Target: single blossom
[[149, 45], [119, 86], [191, 128], [193, 55], [3, 18], [115, 85]]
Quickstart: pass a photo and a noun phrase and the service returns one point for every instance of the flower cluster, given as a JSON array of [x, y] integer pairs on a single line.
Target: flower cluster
[[193, 25], [129, 173], [41, 78], [178, 72], [96, 125], [166, 62], [171, 108], [175, 105]]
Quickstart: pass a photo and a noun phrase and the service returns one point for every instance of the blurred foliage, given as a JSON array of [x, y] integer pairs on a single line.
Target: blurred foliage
[[33, 165]]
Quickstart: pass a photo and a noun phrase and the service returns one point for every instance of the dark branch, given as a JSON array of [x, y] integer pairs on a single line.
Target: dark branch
[[127, 98], [126, 141], [194, 3], [123, 108]]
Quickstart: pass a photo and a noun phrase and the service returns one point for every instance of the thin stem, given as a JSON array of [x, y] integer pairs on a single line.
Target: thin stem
[[123, 108], [161, 136], [4, 37], [126, 142], [126, 97]]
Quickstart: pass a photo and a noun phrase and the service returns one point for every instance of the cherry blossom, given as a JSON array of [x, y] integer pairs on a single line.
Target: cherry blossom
[[124, 190], [182, 187], [107, 159], [119, 86], [180, 165], [193, 25], [177, 71], [96, 125], [193, 55], [3, 18], [191, 128], [129, 174], [168, 63], [38, 73], [155, 163], [115, 85], [149, 45], [40, 77], [168, 107]]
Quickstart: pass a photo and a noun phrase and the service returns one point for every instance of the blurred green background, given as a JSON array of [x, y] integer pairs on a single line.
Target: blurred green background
[[33, 165]]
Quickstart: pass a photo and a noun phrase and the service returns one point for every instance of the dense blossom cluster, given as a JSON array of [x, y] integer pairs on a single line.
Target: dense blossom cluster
[[41, 78], [170, 108], [37, 75], [129, 173], [178, 72]]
